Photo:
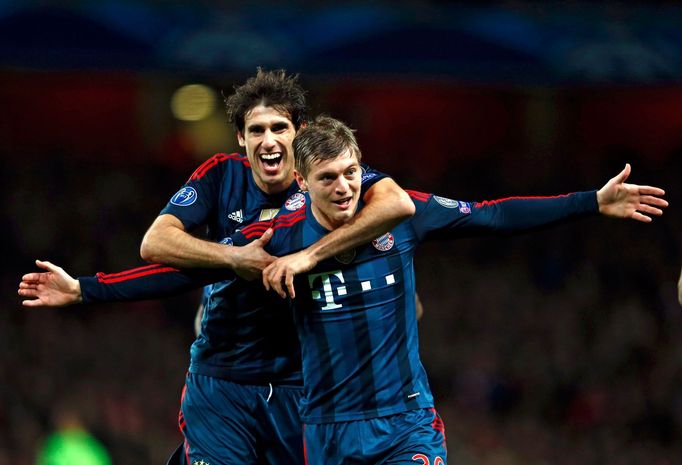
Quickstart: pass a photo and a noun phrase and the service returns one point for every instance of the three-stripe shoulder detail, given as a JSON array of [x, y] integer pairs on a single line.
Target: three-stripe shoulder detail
[[216, 160], [281, 221]]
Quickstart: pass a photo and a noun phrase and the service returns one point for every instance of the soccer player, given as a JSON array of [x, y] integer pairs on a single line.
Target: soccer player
[[355, 312], [240, 401]]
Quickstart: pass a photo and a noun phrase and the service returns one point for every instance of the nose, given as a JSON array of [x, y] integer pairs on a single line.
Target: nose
[[268, 140], [342, 185]]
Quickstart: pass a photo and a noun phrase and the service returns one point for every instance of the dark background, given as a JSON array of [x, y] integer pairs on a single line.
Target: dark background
[[557, 347]]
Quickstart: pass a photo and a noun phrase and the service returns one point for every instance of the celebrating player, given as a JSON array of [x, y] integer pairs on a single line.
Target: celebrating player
[[355, 312], [240, 402]]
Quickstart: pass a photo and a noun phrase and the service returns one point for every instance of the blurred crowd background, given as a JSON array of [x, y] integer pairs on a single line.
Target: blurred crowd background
[[560, 347]]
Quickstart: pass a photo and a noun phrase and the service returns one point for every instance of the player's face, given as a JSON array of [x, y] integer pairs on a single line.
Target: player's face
[[334, 187], [267, 137]]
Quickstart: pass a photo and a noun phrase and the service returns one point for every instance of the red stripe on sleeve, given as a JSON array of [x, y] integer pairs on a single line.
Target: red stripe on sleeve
[[145, 271], [420, 196], [487, 203], [131, 271]]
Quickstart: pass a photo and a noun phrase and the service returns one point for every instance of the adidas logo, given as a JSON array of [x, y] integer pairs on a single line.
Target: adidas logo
[[236, 216]]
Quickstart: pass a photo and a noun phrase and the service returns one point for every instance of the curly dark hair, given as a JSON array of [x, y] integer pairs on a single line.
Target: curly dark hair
[[272, 89]]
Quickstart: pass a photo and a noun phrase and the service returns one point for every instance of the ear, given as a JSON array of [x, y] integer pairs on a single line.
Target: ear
[[240, 139], [302, 184]]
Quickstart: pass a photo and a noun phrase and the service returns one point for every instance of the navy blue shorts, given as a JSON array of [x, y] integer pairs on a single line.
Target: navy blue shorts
[[416, 437], [226, 423]]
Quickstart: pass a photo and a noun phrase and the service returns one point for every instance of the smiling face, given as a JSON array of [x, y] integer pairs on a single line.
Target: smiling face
[[267, 138], [334, 187]]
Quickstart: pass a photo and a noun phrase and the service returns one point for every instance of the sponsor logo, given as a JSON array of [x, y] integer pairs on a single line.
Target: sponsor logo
[[236, 216], [184, 197], [346, 257], [227, 241], [384, 243], [325, 294], [200, 462], [447, 203], [295, 202], [465, 207], [267, 214]]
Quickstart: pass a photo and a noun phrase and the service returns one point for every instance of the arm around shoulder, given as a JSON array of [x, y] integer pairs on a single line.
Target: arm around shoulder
[[386, 205]]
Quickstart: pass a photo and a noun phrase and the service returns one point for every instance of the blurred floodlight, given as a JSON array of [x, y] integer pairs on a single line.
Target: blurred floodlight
[[193, 102]]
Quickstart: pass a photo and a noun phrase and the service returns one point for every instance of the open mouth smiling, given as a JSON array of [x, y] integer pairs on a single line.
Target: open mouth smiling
[[343, 203], [271, 161]]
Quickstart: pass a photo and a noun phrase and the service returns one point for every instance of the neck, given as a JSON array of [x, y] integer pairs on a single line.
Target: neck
[[276, 187], [326, 222]]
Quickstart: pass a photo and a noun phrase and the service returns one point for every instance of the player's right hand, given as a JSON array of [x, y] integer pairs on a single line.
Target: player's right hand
[[53, 288], [252, 258]]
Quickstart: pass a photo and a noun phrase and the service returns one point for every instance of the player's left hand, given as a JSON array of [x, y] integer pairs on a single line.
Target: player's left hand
[[620, 200], [279, 274]]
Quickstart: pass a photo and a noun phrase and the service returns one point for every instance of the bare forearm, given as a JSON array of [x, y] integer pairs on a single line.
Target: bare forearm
[[387, 205], [166, 242]]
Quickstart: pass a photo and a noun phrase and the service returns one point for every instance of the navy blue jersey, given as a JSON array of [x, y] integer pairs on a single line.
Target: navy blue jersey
[[355, 313], [244, 336]]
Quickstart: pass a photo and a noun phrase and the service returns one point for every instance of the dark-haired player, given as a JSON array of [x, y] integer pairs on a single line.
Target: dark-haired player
[[355, 312], [240, 402]]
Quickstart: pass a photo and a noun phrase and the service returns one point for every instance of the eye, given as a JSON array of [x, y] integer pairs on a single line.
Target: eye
[[279, 128], [351, 172]]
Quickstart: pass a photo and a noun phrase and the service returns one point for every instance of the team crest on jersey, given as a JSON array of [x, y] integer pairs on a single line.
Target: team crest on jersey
[[346, 257], [227, 241], [444, 201], [295, 202], [384, 243], [267, 214], [465, 207], [184, 197]]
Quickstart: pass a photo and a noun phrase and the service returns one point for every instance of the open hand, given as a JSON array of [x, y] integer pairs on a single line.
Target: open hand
[[53, 288], [620, 200]]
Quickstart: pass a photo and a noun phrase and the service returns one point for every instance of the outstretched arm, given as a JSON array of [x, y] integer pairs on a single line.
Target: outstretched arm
[[386, 205], [53, 288], [621, 200], [56, 288]]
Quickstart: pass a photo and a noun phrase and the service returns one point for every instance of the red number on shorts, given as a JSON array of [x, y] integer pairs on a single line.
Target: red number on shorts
[[422, 457], [425, 460]]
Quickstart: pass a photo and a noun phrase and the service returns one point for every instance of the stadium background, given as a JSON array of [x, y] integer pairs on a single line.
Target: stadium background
[[560, 347]]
